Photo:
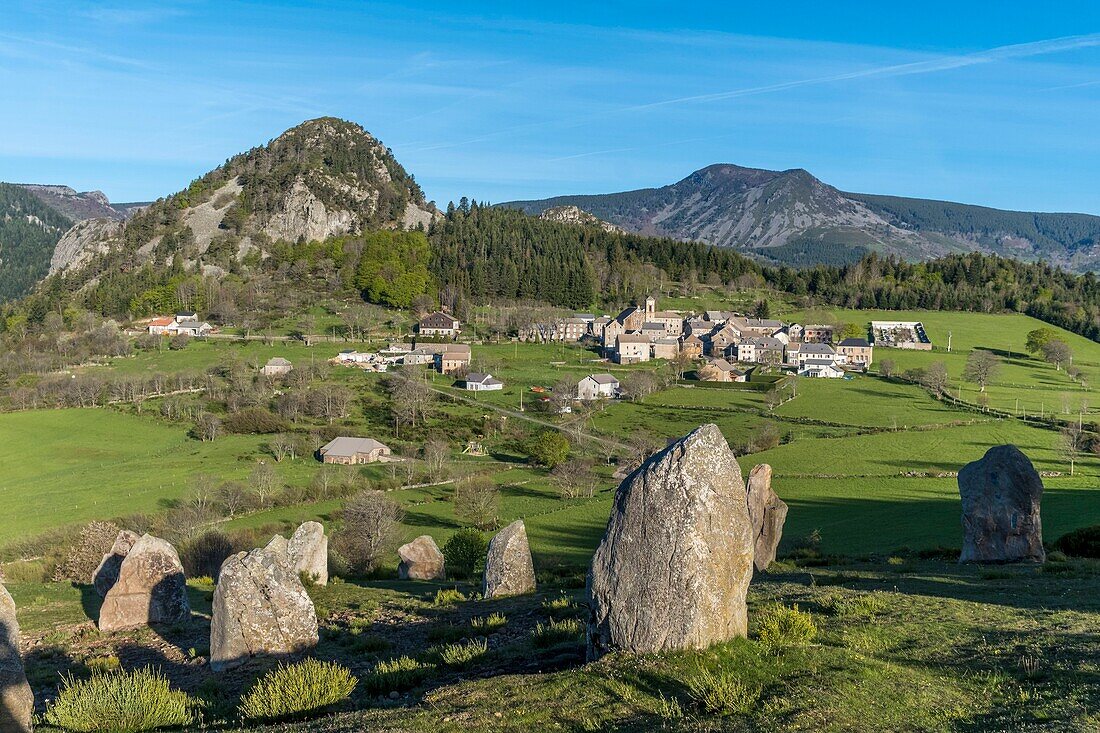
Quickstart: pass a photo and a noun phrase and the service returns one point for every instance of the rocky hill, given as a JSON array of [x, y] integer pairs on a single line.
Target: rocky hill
[[578, 216], [78, 206], [322, 178], [791, 216]]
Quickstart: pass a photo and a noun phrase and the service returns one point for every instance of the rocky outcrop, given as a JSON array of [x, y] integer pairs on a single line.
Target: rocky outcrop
[[106, 575], [84, 241], [260, 607], [421, 560], [675, 563], [1001, 494], [576, 215], [151, 588], [16, 698], [509, 570], [767, 513], [308, 552]]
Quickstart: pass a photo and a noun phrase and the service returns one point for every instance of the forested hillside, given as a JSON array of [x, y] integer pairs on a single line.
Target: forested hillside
[[29, 229]]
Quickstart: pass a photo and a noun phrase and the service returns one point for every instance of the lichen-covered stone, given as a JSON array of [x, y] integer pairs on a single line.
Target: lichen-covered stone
[[106, 575], [151, 588], [421, 560], [767, 513], [260, 608], [509, 570], [16, 697], [1001, 494], [308, 552], [675, 563]]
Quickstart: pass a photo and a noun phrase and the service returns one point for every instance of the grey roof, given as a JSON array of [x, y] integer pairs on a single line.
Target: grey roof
[[817, 349], [763, 323], [280, 361], [584, 316], [192, 324], [855, 342], [820, 363], [653, 326], [602, 378], [764, 342], [668, 340], [480, 378], [632, 338], [349, 447]]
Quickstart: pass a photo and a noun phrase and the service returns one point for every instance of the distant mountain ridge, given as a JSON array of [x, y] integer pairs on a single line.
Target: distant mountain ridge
[[80, 206], [792, 217]]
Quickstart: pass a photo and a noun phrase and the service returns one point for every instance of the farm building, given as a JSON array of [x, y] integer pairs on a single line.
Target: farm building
[[438, 324], [478, 382], [350, 451], [597, 386], [276, 366], [455, 357], [159, 326]]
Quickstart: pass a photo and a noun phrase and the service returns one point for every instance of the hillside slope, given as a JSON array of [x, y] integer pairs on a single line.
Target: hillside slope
[[322, 178], [792, 217], [29, 229]]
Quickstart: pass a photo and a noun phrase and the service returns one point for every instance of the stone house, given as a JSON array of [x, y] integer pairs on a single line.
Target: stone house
[[692, 345], [276, 366], [818, 334], [666, 348], [454, 358], [631, 348], [572, 329], [352, 451], [817, 353], [761, 350], [439, 324], [722, 339], [856, 351]]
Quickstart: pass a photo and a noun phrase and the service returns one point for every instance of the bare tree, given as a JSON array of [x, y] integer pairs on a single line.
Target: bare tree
[[477, 501], [283, 446], [370, 525], [935, 378], [207, 427], [981, 367], [575, 479], [1072, 444], [263, 482], [887, 367], [436, 453], [1057, 352], [233, 497]]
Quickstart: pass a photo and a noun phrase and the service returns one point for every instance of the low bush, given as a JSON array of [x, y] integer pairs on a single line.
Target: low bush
[[561, 607], [1084, 542], [205, 554], [85, 554], [488, 624], [459, 655], [557, 632], [465, 553], [721, 693], [291, 690], [448, 597], [102, 665], [121, 702], [403, 673], [779, 627]]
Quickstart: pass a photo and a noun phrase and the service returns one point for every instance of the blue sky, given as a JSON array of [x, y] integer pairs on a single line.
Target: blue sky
[[989, 103]]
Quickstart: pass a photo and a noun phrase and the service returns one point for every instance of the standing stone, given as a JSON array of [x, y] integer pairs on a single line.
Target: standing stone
[[260, 608], [1001, 494], [509, 570], [421, 560], [675, 563], [308, 552], [106, 575], [151, 588], [767, 513], [16, 698]]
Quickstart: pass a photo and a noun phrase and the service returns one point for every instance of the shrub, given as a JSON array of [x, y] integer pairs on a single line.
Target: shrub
[[1084, 542], [85, 554], [779, 627], [465, 553], [205, 554], [121, 702], [448, 596], [403, 673], [560, 607], [293, 689], [721, 693], [256, 420], [548, 448], [477, 501], [488, 624], [557, 632], [102, 665], [460, 655]]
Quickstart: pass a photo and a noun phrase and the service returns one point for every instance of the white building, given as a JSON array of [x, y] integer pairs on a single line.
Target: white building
[[821, 368], [631, 348], [597, 386], [478, 382], [818, 353]]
